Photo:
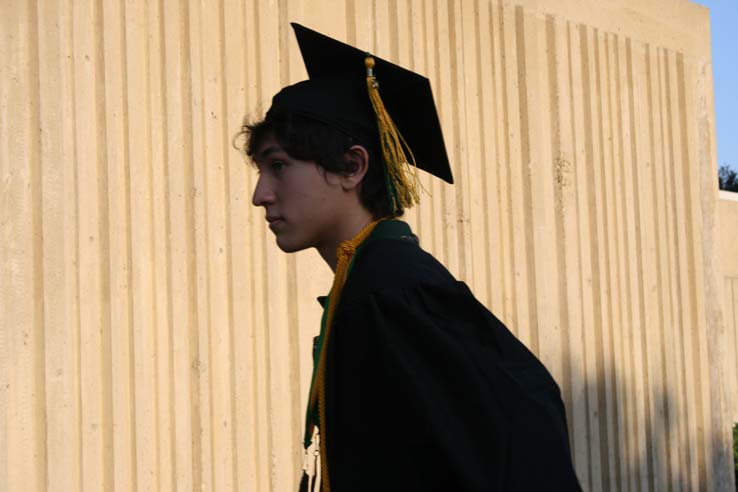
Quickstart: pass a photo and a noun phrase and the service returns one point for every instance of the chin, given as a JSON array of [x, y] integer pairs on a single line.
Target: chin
[[290, 246]]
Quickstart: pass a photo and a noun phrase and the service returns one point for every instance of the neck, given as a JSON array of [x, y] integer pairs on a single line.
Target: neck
[[350, 228]]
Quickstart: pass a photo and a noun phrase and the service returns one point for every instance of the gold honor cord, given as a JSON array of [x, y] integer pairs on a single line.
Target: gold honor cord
[[345, 253], [402, 190], [402, 178]]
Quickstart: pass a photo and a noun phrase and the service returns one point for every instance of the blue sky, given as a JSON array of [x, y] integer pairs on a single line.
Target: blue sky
[[724, 20]]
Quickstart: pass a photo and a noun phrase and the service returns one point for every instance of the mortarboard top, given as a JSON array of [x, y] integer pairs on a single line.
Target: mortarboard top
[[336, 94]]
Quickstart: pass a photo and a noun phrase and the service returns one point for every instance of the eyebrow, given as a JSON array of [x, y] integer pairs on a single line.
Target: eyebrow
[[263, 154]]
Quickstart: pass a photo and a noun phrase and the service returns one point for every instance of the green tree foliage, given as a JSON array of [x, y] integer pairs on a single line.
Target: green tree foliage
[[727, 178]]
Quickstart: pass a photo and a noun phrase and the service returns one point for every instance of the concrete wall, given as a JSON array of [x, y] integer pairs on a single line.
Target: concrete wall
[[728, 226], [154, 338]]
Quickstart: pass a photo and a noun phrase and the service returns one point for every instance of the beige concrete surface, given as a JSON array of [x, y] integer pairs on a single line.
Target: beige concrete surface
[[728, 226], [153, 336]]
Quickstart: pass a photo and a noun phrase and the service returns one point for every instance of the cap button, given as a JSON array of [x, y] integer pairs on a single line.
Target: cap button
[[369, 64]]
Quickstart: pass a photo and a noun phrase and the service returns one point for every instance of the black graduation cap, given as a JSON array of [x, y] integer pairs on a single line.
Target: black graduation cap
[[337, 95]]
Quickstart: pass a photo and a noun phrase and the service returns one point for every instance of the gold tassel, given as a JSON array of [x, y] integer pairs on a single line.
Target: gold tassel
[[402, 178]]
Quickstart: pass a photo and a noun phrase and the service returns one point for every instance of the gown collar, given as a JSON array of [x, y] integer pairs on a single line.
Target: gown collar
[[387, 229]]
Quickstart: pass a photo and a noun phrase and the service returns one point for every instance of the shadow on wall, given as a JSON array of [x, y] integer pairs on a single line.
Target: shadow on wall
[[642, 443]]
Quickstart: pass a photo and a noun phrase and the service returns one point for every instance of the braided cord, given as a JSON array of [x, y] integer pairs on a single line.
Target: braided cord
[[344, 254]]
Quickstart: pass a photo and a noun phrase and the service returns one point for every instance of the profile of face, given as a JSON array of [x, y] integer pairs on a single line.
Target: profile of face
[[302, 201]]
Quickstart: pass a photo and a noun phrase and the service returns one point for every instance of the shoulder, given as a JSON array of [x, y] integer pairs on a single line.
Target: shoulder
[[394, 263]]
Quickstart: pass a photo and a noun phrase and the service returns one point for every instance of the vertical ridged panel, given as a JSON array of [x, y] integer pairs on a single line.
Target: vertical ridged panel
[[154, 337], [727, 224], [731, 326]]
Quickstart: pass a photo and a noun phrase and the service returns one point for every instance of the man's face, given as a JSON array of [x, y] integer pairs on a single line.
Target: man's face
[[302, 201]]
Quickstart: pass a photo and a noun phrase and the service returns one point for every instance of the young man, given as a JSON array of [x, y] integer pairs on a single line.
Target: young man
[[417, 386]]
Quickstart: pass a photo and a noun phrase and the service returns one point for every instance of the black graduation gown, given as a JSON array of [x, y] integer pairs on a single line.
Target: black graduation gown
[[426, 390]]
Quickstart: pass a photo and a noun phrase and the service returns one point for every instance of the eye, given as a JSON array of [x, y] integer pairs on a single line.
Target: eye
[[277, 167]]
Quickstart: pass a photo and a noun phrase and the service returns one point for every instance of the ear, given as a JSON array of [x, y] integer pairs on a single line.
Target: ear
[[357, 160]]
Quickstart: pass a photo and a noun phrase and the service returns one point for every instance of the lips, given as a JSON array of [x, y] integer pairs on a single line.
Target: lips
[[274, 221]]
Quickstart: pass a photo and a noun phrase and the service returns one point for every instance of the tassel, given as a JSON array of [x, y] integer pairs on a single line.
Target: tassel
[[401, 179]]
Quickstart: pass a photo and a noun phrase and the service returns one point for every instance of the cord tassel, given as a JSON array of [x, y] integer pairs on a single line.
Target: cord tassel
[[305, 480], [316, 454]]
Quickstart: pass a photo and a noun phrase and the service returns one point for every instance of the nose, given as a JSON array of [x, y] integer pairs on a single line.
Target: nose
[[263, 193]]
